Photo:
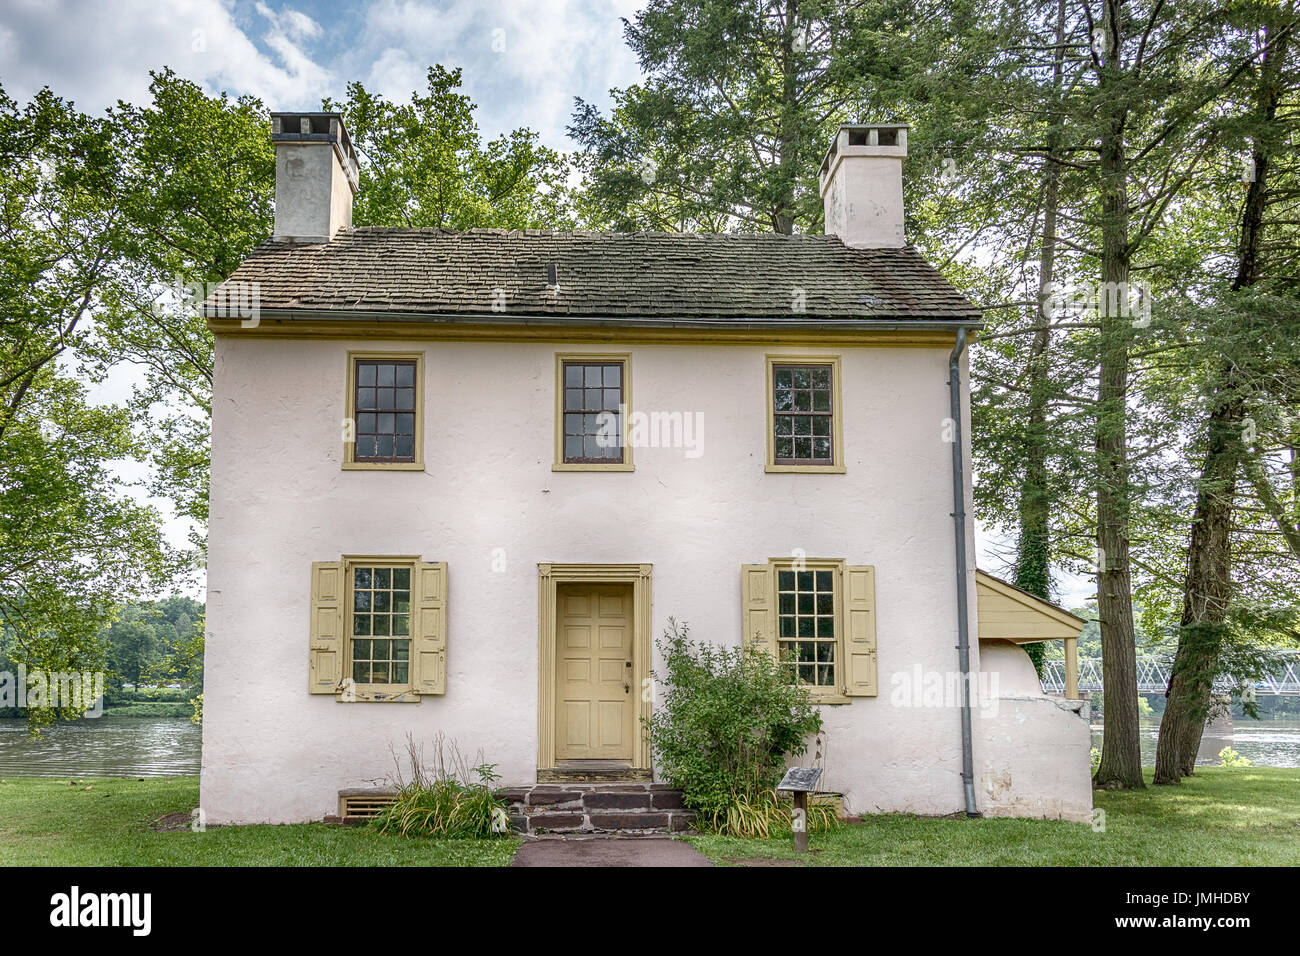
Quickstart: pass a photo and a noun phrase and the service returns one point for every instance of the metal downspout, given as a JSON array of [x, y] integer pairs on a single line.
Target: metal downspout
[[963, 609]]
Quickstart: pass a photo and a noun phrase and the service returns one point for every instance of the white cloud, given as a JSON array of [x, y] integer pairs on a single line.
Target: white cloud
[[97, 53], [523, 62]]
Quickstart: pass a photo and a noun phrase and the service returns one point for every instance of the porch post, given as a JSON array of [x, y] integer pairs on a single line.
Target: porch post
[[1072, 668]]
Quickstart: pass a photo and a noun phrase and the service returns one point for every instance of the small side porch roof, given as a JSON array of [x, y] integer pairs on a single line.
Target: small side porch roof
[[1004, 612]]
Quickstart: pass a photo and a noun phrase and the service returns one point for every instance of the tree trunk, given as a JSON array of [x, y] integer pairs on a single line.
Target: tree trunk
[[788, 157], [1033, 553], [1205, 599], [1208, 586], [1121, 755]]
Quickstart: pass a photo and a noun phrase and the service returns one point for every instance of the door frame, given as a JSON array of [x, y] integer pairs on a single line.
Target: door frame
[[549, 578]]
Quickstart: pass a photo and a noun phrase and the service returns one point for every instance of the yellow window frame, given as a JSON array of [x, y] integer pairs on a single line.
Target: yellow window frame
[[388, 693], [836, 467], [623, 358], [350, 414]]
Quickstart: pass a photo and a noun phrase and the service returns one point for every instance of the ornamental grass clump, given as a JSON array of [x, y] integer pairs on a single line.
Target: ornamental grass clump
[[723, 728], [449, 798]]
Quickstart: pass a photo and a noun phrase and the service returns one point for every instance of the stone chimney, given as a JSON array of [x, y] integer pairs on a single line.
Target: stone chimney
[[315, 176], [862, 185]]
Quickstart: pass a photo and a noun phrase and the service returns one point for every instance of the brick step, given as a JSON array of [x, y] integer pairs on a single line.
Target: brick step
[[625, 808]]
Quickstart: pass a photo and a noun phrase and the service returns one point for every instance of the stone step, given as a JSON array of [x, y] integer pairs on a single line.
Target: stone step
[[619, 808]]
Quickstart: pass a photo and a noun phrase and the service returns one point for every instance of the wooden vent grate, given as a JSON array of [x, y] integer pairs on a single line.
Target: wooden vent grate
[[364, 806]]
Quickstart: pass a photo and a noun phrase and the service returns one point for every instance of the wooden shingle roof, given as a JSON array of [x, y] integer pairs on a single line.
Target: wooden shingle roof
[[642, 276]]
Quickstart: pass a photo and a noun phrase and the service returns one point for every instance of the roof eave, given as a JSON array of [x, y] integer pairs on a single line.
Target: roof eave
[[560, 319]]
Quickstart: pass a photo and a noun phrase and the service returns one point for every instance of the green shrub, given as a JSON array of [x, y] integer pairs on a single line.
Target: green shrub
[[1230, 758], [768, 815], [726, 722], [449, 799]]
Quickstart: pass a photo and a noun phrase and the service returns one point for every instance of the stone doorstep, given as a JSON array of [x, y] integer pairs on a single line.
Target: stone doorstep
[[629, 808], [611, 821], [526, 800], [597, 808]]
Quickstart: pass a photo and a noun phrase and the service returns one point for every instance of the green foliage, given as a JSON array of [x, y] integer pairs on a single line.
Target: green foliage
[[423, 163], [134, 822], [1220, 817], [196, 181], [73, 545], [449, 799], [157, 642], [766, 815], [726, 722], [1230, 758]]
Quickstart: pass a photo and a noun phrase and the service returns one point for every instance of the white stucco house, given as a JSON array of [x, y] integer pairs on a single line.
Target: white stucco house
[[461, 481]]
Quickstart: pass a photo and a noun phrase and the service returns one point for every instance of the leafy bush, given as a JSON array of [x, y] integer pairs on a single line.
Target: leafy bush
[[449, 799], [1231, 758], [768, 815], [727, 721]]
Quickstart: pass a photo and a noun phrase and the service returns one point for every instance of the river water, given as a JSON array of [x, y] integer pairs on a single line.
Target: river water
[[102, 747], [162, 747], [1265, 743]]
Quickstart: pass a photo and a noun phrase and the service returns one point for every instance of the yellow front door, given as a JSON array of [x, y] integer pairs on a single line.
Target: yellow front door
[[593, 672]]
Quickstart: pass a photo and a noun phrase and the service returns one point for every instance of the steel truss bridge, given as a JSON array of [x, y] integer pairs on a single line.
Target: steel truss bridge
[[1153, 676]]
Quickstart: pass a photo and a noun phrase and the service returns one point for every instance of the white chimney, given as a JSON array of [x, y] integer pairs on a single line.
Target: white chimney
[[862, 185], [315, 176]]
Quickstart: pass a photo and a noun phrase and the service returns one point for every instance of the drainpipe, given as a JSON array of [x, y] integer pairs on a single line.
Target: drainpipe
[[959, 536]]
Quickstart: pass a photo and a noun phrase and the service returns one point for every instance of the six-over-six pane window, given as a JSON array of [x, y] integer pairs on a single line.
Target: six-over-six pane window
[[385, 411], [802, 415], [381, 624], [806, 625], [593, 421]]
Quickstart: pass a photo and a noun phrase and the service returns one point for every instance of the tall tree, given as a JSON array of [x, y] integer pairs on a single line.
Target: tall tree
[[1208, 588], [423, 163], [72, 543]]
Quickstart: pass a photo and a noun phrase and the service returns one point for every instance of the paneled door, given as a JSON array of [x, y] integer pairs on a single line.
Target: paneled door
[[593, 672]]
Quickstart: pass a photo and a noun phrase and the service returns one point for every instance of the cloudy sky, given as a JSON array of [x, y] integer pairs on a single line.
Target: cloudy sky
[[524, 60]]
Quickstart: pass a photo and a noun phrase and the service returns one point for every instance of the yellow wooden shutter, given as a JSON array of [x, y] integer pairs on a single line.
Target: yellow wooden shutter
[[325, 668], [758, 605], [429, 648], [860, 630]]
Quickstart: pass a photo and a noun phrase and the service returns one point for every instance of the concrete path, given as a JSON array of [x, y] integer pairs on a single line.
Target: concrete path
[[609, 851]]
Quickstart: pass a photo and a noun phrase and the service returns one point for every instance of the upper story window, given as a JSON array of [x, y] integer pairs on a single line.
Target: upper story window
[[593, 394], [803, 415], [385, 411]]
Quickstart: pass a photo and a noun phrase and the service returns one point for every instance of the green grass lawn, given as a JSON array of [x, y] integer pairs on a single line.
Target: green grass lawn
[[49, 823], [1238, 816], [1220, 817]]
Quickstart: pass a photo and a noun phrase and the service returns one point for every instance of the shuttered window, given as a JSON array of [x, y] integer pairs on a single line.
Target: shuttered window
[[378, 629], [818, 618]]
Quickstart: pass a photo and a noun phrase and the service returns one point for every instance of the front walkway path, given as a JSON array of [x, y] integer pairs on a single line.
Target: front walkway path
[[609, 851]]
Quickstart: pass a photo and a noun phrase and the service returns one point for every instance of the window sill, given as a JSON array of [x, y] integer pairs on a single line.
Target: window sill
[[831, 699], [379, 694], [383, 466], [575, 466], [805, 469]]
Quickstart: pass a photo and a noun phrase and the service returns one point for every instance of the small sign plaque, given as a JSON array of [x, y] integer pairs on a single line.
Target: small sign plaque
[[800, 779]]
